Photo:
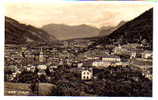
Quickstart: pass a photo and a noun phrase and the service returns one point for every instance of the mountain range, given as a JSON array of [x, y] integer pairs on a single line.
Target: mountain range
[[135, 31], [65, 32]]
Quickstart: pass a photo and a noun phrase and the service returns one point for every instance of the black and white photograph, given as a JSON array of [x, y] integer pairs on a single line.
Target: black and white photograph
[[78, 49]]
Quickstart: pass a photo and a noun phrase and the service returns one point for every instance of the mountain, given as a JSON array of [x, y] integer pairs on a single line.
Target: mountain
[[64, 32], [137, 30], [106, 30], [17, 33]]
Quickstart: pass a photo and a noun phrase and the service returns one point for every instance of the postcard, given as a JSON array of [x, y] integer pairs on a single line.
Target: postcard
[[79, 49]]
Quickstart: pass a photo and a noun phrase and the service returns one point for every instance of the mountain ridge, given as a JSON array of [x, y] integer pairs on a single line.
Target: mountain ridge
[[18, 33], [107, 30], [65, 32]]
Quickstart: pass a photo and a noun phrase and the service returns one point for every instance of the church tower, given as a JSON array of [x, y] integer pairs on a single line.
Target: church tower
[[41, 56]]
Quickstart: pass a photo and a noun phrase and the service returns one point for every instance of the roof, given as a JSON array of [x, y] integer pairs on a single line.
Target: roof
[[147, 51], [86, 70], [42, 66], [110, 56], [135, 50], [101, 61]]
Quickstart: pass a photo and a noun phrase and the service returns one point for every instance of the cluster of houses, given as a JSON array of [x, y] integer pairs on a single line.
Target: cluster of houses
[[133, 52], [51, 58], [106, 61]]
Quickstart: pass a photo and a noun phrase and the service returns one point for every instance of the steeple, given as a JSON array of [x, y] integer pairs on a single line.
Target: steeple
[[41, 56]]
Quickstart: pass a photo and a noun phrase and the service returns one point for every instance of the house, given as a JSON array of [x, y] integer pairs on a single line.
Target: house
[[14, 75], [41, 72], [32, 68], [28, 69], [147, 54], [133, 55], [42, 67], [87, 74], [23, 49], [79, 65], [61, 62], [18, 71], [118, 49], [117, 64], [88, 63], [111, 58], [51, 68], [100, 64]]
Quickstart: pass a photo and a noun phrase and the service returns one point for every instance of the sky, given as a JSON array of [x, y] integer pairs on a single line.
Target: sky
[[94, 14]]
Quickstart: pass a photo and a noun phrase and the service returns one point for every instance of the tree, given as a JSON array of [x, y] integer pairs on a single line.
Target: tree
[[66, 88]]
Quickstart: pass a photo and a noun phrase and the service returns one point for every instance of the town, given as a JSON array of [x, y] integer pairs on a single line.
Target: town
[[72, 62]]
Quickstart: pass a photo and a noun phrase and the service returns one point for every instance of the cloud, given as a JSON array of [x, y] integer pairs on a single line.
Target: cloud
[[95, 14]]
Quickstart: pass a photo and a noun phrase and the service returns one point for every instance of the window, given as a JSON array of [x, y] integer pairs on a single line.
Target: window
[[84, 77], [88, 77]]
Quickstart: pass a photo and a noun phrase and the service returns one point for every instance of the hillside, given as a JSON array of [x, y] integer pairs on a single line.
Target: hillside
[[138, 30], [109, 29], [17, 33], [64, 32]]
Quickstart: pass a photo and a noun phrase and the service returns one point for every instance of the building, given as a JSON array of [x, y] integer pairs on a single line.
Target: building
[[79, 65], [117, 64], [41, 56], [42, 67], [111, 58], [147, 54], [118, 49], [87, 74], [101, 64], [32, 68], [133, 55], [61, 62], [41, 72], [51, 68]]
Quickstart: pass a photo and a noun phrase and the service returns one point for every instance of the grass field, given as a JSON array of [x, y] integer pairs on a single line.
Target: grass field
[[23, 89]]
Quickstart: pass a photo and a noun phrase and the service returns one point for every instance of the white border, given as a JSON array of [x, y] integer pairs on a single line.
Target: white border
[[63, 1], [1, 48], [155, 53]]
